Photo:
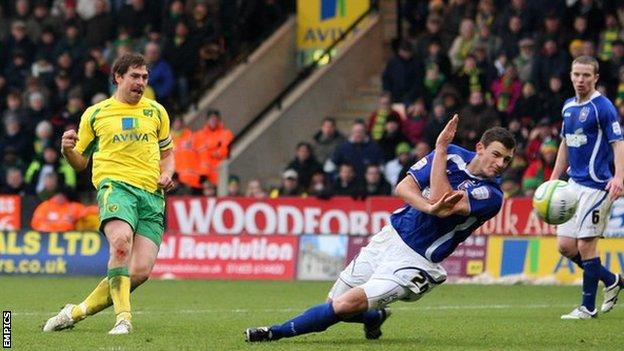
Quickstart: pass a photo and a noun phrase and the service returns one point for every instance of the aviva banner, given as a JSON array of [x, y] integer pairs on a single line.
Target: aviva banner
[[537, 258], [321, 22]]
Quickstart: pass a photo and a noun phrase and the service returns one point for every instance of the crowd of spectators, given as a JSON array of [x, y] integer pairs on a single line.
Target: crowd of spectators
[[494, 63], [56, 56]]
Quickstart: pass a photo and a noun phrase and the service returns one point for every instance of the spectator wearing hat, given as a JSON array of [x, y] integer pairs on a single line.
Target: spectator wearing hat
[[72, 42], [403, 74], [289, 186], [525, 59], [392, 169], [212, 143], [305, 164]]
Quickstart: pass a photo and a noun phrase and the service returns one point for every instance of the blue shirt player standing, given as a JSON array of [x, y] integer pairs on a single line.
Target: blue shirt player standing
[[449, 194], [591, 145]]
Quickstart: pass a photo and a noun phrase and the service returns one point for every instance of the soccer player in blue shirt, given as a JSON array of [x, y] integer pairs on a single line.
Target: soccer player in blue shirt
[[591, 144], [449, 194]]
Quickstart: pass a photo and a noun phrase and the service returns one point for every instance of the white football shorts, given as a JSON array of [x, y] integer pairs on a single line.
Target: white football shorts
[[591, 216], [388, 270]]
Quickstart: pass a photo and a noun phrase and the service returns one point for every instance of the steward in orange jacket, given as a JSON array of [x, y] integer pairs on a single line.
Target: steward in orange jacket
[[212, 144], [58, 214], [186, 157]]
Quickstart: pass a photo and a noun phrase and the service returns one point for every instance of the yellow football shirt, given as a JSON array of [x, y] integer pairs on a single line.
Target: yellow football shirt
[[125, 141]]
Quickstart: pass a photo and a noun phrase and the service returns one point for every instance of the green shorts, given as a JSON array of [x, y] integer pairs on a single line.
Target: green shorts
[[144, 211]]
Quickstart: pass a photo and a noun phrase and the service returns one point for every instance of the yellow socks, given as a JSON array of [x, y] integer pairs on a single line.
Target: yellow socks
[[98, 300], [119, 282]]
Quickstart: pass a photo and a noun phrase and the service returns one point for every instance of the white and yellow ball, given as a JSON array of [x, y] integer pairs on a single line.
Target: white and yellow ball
[[555, 201]]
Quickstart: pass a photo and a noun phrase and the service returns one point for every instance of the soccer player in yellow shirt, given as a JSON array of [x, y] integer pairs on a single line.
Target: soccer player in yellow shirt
[[128, 137]]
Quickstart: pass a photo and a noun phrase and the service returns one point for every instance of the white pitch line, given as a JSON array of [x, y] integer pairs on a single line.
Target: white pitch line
[[270, 310]]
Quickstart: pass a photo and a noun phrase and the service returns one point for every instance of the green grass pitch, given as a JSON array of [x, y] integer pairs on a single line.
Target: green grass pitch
[[211, 315]]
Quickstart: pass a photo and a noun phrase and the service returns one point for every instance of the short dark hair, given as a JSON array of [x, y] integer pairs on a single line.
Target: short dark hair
[[123, 63], [499, 134], [587, 60]]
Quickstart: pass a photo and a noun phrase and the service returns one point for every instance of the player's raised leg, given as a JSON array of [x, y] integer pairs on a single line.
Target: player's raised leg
[[373, 295], [119, 235]]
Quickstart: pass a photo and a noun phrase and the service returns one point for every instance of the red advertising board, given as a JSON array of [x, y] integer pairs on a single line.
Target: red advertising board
[[340, 215], [10, 209], [227, 257], [468, 259]]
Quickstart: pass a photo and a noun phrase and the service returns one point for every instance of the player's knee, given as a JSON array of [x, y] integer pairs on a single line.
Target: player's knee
[[120, 246], [567, 250], [350, 303]]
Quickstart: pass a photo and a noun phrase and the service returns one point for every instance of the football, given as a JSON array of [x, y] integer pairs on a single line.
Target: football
[[555, 202]]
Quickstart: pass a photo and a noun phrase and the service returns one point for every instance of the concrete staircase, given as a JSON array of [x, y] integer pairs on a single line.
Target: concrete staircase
[[364, 100], [360, 105]]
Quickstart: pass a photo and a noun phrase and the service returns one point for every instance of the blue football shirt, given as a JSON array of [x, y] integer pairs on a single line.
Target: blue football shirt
[[436, 238], [589, 129]]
